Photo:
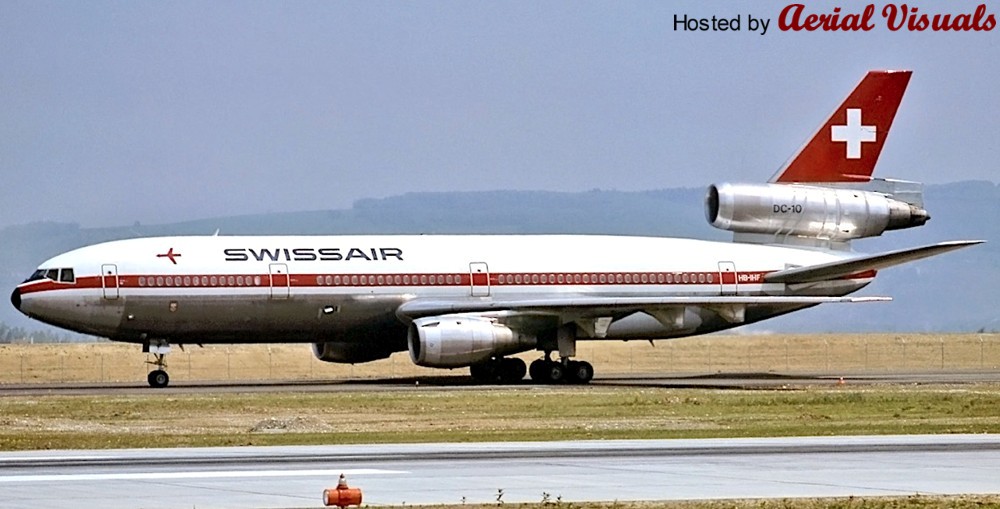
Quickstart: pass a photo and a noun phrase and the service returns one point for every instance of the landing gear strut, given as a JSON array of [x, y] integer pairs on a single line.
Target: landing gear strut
[[158, 378], [499, 370]]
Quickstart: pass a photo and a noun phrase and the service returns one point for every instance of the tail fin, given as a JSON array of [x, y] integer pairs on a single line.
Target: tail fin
[[847, 146]]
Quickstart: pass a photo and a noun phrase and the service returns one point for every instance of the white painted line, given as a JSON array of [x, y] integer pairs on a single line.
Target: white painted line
[[162, 476]]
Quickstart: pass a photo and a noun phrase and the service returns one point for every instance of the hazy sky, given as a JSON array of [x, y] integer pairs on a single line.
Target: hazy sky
[[115, 112]]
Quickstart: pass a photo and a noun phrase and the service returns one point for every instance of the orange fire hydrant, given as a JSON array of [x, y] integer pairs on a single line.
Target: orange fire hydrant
[[342, 496]]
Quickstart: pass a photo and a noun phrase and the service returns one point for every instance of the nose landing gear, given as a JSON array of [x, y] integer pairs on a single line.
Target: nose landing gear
[[158, 378]]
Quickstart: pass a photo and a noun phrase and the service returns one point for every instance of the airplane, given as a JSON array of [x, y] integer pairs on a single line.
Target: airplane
[[475, 300]]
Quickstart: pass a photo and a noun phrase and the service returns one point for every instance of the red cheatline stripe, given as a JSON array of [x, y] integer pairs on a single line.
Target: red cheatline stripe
[[369, 280], [407, 279]]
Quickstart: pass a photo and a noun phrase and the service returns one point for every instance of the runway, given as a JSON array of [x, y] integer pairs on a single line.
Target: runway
[[294, 477], [462, 382]]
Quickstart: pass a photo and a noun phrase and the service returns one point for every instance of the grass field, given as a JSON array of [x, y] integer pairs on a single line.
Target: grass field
[[830, 354], [501, 414]]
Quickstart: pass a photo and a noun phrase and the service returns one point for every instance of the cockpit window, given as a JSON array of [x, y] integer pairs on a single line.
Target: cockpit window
[[35, 276], [62, 275]]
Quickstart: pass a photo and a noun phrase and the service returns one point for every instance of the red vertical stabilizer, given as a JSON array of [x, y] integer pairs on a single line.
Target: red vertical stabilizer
[[847, 146]]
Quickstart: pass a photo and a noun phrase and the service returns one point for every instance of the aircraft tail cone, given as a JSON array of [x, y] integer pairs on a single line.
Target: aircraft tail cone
[[343, 495]]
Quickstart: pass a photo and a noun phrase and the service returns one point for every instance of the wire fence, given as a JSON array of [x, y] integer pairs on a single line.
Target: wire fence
[[783, 354]]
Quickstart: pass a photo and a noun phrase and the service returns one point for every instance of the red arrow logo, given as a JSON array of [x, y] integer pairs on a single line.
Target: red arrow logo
[[171, 255]]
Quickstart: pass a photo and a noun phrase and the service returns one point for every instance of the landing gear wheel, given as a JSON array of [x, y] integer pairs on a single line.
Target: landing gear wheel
[[482, 372], [537, 370], [158, 378], [580, 372], [511, 370], [555, 373], [498, 371]]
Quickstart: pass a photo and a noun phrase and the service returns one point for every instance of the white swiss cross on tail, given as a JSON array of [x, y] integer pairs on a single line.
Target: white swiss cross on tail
[[853, 133]]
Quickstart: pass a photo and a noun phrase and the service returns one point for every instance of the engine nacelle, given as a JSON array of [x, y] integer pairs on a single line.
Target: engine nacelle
[[453, 341], [807, 211]]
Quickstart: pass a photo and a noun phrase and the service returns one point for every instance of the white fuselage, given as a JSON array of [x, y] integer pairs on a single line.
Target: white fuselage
[[347, 288]]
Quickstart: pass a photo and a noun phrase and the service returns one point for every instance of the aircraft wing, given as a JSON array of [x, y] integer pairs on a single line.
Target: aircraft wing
[[583, 306], [846, 267]]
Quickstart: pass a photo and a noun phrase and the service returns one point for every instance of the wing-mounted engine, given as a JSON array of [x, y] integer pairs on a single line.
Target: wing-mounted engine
[[784, 213], [452, 341]]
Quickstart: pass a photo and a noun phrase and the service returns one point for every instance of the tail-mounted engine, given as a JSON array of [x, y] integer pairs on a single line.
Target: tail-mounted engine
[[453, 341], [825, 213]]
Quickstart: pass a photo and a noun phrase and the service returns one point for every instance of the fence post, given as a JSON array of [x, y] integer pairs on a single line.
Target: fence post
[[981, 350], [942, 354], [786, 354], [826, 345], [866, 354], [903, 341]]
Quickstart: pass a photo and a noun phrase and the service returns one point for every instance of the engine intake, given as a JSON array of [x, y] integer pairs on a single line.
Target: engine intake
[[807, 211], [453, 341]]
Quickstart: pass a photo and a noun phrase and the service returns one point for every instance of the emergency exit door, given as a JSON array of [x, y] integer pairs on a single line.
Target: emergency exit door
[[480, 277], [727, 278]]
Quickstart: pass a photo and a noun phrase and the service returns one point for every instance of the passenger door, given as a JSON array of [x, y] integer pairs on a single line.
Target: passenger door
[[727, 278], [280, 281], [480, 276], [109, 280]]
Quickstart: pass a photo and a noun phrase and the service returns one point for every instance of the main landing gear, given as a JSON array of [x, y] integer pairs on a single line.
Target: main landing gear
[[158, 378], [548, 371], [499, 370], [509, 370]]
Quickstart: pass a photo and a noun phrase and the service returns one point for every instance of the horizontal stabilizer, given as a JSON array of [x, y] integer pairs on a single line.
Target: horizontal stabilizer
[[846, 267]]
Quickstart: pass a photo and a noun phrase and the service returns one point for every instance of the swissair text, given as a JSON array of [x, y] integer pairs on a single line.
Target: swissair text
[[309, 254]]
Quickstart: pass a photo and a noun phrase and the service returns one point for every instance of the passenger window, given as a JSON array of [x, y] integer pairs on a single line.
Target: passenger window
[[66, 276]]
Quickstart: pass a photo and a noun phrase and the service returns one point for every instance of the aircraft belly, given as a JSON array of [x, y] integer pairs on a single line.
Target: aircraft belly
[[248, 318]]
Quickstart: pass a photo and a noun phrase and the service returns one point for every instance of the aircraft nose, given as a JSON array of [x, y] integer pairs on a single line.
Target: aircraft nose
[[15, 298]]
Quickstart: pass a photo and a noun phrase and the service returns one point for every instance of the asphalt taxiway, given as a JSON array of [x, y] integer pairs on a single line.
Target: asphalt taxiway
[[287, 477], [462, 382]]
